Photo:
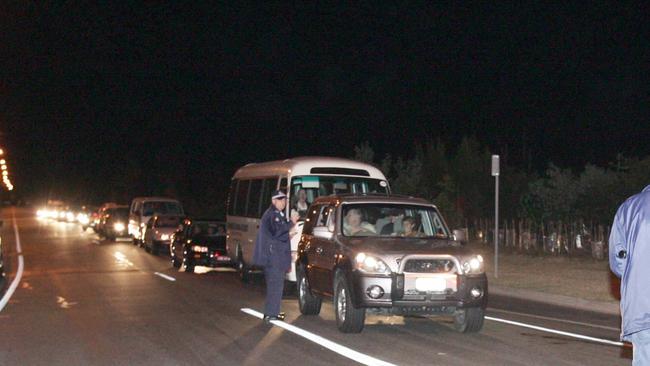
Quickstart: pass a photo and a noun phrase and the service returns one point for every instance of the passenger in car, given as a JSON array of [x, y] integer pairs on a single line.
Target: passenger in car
[[301, 206], [410, 230], [353, 224], [390, 224]]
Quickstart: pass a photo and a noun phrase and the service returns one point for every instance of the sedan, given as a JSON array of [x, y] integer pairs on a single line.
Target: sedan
[[200, 242]]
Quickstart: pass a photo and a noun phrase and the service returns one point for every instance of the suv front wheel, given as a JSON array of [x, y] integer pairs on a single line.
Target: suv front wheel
[[469, 320], [308, 303], [348, 318]]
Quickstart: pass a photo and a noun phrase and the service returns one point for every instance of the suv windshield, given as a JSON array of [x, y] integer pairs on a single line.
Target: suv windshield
[[122, 213], [393, 220], [208, 229], [312, 186], [168, 221]]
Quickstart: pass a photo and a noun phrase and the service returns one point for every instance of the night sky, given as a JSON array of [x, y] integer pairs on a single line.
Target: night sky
[[89, 95]]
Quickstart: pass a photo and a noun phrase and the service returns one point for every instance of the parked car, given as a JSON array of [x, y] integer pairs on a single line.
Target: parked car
[[158, 233], [144, 208], [114, 223], [387, 252], [200, 242]]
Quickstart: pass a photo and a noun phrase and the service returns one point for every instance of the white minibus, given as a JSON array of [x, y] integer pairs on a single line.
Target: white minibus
[[252, 184]]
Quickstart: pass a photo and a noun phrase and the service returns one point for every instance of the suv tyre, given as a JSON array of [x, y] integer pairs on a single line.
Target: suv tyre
[[307, 302], [348, 318], [469, 320]]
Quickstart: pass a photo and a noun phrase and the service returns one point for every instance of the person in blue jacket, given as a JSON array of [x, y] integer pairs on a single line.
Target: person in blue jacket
[[273, 252], [629, 259]]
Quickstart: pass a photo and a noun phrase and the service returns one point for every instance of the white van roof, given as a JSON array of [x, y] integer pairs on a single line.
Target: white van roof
[[303, 165]]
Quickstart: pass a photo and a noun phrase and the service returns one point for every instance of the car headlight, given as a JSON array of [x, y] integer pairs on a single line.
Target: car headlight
[[83, 219], [199, 249], [118, 226], [370, 264], [473, 265]]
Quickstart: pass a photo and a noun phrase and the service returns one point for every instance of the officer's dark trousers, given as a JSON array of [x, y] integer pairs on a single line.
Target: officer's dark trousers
[[274, 286]]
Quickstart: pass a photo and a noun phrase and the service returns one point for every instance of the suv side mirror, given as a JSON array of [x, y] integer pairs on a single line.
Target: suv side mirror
[[323, 233]]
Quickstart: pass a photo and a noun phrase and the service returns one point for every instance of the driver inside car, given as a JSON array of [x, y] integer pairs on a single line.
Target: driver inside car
[[354, 226]]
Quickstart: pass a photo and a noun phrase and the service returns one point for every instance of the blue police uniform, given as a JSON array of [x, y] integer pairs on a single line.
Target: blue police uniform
[[629, 255], [273, 252]]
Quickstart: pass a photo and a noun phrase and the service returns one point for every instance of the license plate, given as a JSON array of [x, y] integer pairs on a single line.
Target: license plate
[[197, 255], [429, 284], [223, 259]]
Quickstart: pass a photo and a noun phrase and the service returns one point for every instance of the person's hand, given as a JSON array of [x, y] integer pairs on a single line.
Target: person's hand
[[294, 216]]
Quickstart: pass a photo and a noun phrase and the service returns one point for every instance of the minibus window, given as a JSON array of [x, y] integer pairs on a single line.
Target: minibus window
[[253, 209], [242, 196]]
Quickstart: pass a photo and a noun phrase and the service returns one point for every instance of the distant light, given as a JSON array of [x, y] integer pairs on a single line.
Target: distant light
[[4, 167], [11, 188], [1, 152], [3, 161]]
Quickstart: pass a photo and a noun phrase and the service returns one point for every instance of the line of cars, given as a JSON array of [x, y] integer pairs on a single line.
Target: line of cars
[[157, 224]]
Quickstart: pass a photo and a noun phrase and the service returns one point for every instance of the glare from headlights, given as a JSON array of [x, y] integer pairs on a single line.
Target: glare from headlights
[[118, 226], [83, 219]]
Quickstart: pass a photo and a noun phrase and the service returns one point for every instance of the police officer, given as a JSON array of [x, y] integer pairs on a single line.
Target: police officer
[[273, 252], [629, 255]]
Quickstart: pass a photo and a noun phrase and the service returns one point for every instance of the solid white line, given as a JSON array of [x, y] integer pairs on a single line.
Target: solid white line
[[324, 342], [168, 278], [19, 272], [555, 319], [553, 331]]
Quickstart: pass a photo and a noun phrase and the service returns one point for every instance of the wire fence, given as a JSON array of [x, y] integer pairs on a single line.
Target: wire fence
[[548, 238]]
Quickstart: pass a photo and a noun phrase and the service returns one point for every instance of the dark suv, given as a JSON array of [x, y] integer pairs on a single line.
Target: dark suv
[[389, 252]]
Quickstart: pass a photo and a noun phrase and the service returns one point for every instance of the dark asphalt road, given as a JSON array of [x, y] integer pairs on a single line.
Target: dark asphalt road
[[82, 301]]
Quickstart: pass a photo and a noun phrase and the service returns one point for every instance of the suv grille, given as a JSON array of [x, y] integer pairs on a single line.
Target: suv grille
[[429, 266]]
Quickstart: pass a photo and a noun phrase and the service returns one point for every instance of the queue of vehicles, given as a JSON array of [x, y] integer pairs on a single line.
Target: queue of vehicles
[[361, 246]]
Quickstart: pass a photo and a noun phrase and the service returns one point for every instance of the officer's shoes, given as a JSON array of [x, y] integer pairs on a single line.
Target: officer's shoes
[[267, 318]]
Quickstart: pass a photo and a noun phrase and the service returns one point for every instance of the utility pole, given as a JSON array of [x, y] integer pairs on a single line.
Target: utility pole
[[495, 174]]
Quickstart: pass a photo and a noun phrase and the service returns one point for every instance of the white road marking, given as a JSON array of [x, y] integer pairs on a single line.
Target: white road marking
[[122, 259], [323, 342], [168, 278], [556, 319], [21, 265], [559, 332], [63, 303]]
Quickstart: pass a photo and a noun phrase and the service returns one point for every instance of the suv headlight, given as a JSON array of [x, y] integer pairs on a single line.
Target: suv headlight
[[118, 226], [370, 264], [473, 265]]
